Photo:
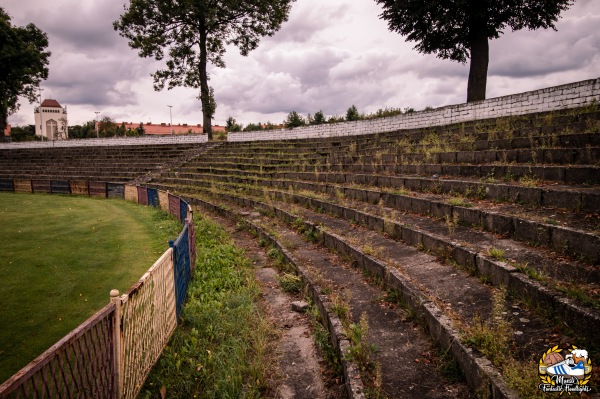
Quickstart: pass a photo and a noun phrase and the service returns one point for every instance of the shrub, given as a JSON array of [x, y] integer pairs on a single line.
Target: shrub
[[352, 114], [294, 120]]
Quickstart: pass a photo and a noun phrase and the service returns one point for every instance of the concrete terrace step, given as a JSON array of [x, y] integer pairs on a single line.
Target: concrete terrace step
[[383, 322], [439, 205], [579, 198], [411, 272], [470, 250], [581, 242]]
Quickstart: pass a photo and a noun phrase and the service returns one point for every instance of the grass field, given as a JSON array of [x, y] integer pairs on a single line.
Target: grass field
[[59, 258]]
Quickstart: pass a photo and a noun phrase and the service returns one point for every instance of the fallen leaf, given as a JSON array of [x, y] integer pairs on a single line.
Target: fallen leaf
[[163, 392]]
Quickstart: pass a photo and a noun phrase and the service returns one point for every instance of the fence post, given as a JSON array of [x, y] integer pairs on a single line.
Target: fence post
[[117, 352]]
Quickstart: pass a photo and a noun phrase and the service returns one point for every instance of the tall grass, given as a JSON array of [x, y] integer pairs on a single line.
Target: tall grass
[[221, 349]]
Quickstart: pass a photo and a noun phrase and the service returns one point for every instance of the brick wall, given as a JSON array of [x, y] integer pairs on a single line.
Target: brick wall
[[114, 141], [571, 95]]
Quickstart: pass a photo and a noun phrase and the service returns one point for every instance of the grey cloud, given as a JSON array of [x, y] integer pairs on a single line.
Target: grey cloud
[[306, 21], [311, 66], [81, 80], [569, 48]]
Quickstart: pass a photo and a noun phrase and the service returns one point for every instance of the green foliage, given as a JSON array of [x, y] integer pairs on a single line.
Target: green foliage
[[108, 128], [352, 114], [252, 127], [192, 34], [294, 120], [23, 64], [361, 351], [141, 130], [459, 30], [318, 118], [210, 107], [445, 27], [384, 113], [232, 126], [496, 254], [221, 347], [290, 283], [87, 130], [22, 133]]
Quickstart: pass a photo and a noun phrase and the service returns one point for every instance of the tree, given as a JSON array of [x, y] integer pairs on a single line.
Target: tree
[[23, 64], [294, 120], [231, 125], [318, 118], [352, 114], [461, 29], [141, 130], [22, 133], [195, 32]]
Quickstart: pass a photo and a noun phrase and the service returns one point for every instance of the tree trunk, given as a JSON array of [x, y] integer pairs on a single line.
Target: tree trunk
[[204, 91], [3, 118], [480, 58]]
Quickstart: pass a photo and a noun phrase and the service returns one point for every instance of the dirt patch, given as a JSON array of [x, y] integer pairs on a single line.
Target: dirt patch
[[301, 372]]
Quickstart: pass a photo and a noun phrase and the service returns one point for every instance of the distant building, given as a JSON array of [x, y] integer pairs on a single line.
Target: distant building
[[51, 120], [164, 128]]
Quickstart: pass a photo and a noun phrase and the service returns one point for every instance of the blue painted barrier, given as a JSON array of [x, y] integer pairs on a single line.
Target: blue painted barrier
[[181, 263], [7, 185], [183, 209], [60, 187], [153, 197], [115, 190]]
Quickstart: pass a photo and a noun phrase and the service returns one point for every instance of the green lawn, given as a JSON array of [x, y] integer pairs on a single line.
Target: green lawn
[[59, 258]]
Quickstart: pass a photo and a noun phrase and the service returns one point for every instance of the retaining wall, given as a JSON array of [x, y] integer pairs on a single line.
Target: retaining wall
[[567, 96], [112, 141]]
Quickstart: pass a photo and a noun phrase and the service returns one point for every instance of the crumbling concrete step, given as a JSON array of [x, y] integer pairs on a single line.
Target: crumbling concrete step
[[465, 249]]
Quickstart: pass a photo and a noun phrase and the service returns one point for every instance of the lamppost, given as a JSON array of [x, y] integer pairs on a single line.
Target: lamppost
[[41, 118], [97, 112], [171, 116]]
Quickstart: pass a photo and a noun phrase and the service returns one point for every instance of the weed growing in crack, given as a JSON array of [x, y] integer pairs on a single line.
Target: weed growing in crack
[[460, 201], [290, 283], [323, 343], [370, 250], [451, 222], [496, 254], [529, 181], [362, 352], [449, 367]]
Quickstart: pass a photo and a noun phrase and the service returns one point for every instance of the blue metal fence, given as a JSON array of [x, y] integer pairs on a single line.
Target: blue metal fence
[[7, 185], [115, 190], [60, 187], [183, 210], [181, 260], [153, 197]]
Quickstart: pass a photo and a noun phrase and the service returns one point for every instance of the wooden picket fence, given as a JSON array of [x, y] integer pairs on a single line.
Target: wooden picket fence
[[111, 354]]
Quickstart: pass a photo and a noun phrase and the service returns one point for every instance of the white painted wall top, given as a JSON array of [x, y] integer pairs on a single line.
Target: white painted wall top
[[567, 96]]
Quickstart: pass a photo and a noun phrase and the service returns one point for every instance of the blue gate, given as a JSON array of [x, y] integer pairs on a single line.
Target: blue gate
[[6, 185], [153, 197], [183, 209], [181, 261], [60, 187], [115, 190]]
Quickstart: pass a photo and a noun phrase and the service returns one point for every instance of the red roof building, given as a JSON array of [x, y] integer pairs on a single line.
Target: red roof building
[[165, 129]]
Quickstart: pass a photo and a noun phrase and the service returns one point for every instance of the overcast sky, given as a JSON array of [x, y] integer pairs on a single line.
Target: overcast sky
[[330, 55]]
